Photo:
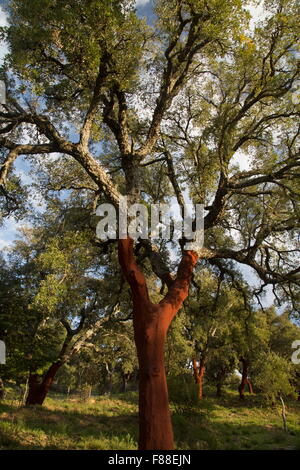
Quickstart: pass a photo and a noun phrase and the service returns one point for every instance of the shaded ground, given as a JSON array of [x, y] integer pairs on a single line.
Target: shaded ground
[[112, 423]]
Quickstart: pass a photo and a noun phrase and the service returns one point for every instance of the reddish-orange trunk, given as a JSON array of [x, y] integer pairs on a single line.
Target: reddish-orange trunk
[[250, 386], [244, 381], [151, 322], [155, 427], [198, 375], [37, 392]]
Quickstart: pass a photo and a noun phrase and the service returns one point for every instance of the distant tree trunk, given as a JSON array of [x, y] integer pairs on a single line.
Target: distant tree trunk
[[220, 380], [24, 393], [151, 323], [283, 414], [37, 391], [249, 386], [219, 389], [124, 388], [2, 390], [109, 385], [89, 392], [244, 381], [198, 375], [126, 378], [110, 374]]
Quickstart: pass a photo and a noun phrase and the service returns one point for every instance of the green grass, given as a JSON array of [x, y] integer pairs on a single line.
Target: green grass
[[230, 424], [112, 423]]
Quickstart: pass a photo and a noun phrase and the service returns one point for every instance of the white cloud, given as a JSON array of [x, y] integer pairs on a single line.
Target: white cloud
[[3, 46], [141, 2], [241, 159], [3, 17], [9, 232], [258, 13]]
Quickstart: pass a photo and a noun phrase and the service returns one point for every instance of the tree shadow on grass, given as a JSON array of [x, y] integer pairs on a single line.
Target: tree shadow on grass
[[59, 429], [229, 436]]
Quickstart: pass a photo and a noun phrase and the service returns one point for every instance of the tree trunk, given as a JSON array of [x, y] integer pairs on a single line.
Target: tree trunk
[[24, 393], [124, 387], [37, 392], [109, 383], [151, 323], [2, 390], [249, 386], [198, 375], [244, 381], [219, 389], [154, 416], [220, 380], [126, 378]]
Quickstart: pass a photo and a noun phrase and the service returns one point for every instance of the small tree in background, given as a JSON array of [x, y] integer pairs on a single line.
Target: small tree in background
[[272, 376]]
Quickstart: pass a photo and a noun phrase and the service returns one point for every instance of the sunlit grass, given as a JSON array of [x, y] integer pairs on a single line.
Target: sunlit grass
[[112, 423]]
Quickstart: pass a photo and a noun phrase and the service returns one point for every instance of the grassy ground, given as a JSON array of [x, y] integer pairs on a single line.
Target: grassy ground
[[111, 423]]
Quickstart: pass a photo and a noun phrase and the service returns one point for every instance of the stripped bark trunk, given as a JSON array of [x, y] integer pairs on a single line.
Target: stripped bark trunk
[[37, 392], [151, 323], [244, 381], [249, 386], [198, 375]]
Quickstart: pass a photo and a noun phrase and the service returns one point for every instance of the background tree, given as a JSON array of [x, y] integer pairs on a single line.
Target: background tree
[[209, 311], [272, 376], [64, 302], [250, 337]]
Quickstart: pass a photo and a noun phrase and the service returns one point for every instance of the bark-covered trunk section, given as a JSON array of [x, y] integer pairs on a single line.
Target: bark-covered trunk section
[[151, 323], [37, 391], [198, 375], [244, 381]]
